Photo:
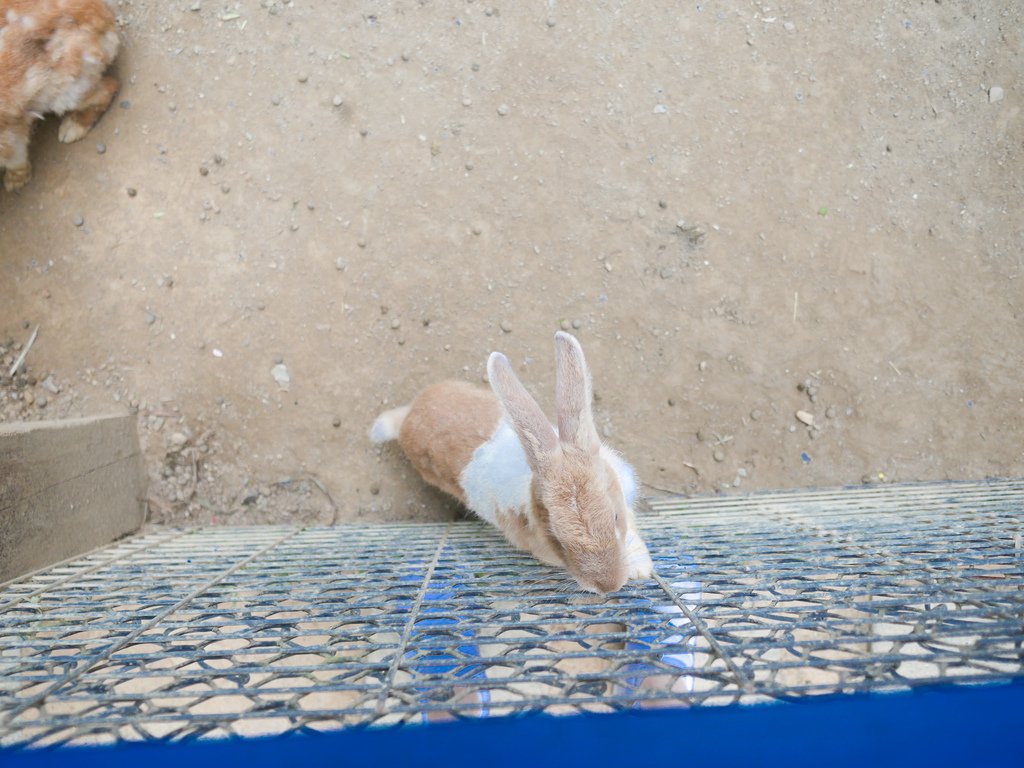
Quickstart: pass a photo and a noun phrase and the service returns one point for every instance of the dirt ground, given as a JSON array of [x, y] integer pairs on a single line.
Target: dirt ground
[[744, 210]]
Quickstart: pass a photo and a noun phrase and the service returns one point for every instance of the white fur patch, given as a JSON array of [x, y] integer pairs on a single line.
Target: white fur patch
[[388, 425], [497, 477]]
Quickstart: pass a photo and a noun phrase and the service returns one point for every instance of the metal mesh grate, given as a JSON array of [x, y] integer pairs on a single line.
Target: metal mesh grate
[[218, 632]]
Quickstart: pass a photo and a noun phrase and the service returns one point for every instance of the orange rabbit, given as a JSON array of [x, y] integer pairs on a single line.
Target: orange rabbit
[[52, 57]]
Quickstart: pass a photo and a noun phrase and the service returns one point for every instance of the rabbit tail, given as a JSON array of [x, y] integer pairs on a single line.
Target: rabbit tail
[[388, 425]]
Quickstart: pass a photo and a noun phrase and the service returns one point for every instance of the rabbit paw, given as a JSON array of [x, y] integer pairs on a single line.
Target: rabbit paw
[[640, 565], [16, 178], [71, 129]]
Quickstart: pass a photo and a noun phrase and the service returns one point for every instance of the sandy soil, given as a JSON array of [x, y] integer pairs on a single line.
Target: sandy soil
[[744, 210]]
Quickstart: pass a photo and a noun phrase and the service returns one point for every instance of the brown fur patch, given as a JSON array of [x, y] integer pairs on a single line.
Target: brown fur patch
[[446, 423], [52, 57]]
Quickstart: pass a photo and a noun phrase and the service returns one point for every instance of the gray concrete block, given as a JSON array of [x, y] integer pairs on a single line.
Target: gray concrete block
[[67, 487]]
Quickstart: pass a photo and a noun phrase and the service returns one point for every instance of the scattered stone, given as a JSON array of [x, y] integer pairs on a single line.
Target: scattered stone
[[805, 417], [364, 131], [150, 318], [276, 101], [339, 264], [489, 11], [225, 188], [719, 455], [470, 165], [789, 26], [503, 110], [467, 102], [995, 93], [280, 374], [337, 101], [172, 107], [667, 273], [742, 472], [295, 227], [405, 55], [101, 148], [28, 397], [671, 402], [755, 414], [203, 170], [606, 430], [278, 360], [577, 324], [336, 423], [663, 203], [41, 401], [179, 439], [303, 77], [250, 497], [552, 21], [702, 434], [506, 326], [396, 323], [361, 242], [830, 412], [477, 229], [196, 6], [374, 489], [703, 365], [78, 221], [131, 191]]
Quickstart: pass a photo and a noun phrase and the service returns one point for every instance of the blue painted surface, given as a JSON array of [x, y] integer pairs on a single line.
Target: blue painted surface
[[966, 726]]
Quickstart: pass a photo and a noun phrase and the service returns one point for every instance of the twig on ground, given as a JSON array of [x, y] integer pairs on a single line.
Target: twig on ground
[[24, 353]]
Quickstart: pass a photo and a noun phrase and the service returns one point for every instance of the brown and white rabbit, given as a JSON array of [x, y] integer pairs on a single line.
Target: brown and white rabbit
[[52, 57], [560, 495]]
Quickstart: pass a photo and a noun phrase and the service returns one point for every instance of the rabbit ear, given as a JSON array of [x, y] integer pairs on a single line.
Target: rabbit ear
[[531, 426], [573, 395]]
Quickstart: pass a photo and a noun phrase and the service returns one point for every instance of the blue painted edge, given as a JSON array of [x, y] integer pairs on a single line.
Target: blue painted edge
[[979, 725]]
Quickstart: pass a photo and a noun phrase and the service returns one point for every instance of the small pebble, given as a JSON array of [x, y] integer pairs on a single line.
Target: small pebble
[[577, 324], [396, 323], [131, 191], [101, 147], [663, 203], [361, 242], [339, 264], [830, 412], [78, 221], [278, 360], [179, 439], [337, 101], [337, 422], [405, 55], [276, 101], [506, 326], [150, 318], [564, 325], [995, 93], [295, 227], [303, 77], [364, 131], [477, 229], [41, 401], [741, 472], [702, 434], [374, 489], [552, 21], [203, 170], [401, 340], [467, 102], [173, 107], [310, 206], [719, 455], [470, 165], [702, 365], [755, 414], [260, 305], [225, 188], [489, 11], [672, 401], [789, 26], [503, 110]]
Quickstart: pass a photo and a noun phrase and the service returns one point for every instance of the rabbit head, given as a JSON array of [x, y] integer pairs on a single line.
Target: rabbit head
[[578, 501]]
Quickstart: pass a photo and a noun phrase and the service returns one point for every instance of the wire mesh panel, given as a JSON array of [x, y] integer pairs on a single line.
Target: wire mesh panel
[[231, 632]]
